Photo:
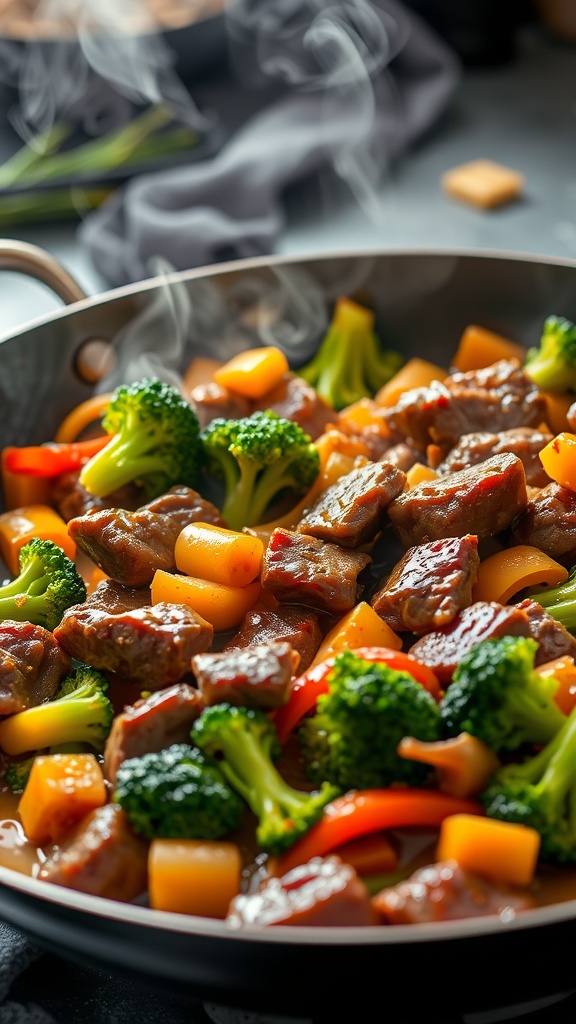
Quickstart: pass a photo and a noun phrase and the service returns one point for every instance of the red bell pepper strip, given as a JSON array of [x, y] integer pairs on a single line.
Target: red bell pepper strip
[[48, 460], [360, 812], [307, 688]]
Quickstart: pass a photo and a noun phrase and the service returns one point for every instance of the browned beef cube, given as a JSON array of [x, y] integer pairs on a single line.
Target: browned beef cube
[[482, 500], [444, 892], [443, 649], [404, 455], [72, 500], [497, 397], [553, 638], [525, 442], [429, 585], [256, 677], [352, 511], [294, 399], [151, 724], [32, 666], [549, 523], [323, 892], [101, 856], [305, 570], [130, 546], [152, 646], [211, 401], [114, 598], [297, 626]]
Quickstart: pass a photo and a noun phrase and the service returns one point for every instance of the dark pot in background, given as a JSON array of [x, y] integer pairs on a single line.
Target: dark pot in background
[[482, 32]]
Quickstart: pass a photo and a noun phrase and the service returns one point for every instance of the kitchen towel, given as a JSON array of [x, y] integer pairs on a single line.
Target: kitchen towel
[[345, 86]]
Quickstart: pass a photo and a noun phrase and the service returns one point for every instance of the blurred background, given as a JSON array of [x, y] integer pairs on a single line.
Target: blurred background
[[178, 133]]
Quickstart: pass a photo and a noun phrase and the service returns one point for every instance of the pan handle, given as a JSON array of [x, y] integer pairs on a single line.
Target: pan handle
[[24, 258]]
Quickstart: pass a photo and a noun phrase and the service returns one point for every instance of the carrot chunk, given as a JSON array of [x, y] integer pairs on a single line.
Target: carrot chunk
[[61, 790]]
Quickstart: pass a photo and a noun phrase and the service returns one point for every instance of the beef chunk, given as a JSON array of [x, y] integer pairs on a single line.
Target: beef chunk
[[444, 892], [112, 597], [295, 399], [323, 892], [525, 442], [351, 512], [553, 638], [404, 455], [256, 677], [297, 626], [151, 724], [549, 523], [152, 646], [443, 649], [211, 400], [497, 397], [429, 585], [482, 500], [32, 665], [304, 570], [100, 856], [72, 500], [130, 546]]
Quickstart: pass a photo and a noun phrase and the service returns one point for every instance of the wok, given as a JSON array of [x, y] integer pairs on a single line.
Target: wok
[[423, 300]]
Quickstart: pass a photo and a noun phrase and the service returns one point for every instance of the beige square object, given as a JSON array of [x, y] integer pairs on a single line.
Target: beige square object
[[483, 183]]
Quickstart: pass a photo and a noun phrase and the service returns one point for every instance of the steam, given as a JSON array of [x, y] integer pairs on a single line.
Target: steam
[[93, 76]]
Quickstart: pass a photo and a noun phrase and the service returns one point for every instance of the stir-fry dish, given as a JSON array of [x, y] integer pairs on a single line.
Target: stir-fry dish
[[296, 645]]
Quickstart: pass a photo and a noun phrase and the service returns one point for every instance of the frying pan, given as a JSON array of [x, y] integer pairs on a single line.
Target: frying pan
[[423, 299]]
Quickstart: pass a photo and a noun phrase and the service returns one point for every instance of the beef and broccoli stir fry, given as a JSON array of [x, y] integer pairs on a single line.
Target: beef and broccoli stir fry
[[298, 645]]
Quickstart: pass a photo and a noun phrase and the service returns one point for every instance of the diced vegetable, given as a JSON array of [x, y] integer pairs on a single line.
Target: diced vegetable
[[20, 525], [563, 671], [360, 627], [502, 851], [19, 489], [557, 405], [254, 372], [507, 572], [61, 790], [193, 876], [559, 460], [361, 812], [224, 607], [419, 474], [416, 373], [218, 555], [464, 764], [479, 347], [51, 460]]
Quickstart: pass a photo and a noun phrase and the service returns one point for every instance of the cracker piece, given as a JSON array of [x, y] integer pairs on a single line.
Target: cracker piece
[[483, 183]]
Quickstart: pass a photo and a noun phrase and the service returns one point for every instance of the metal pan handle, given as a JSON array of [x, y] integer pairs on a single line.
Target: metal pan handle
[[24, 258]]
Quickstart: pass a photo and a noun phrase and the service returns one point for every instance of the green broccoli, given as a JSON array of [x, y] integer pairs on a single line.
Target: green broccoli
[[353, 738], [155, 442], [258, 458], [552, 365], [177, 793], [47, 584], [560, 601], [350, 364], [541, 792], [496, 695], [17, 773], [80, 713], [245, 744]]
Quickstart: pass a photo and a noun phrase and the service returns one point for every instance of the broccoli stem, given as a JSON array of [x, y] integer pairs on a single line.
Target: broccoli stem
[[248, 768], [548, 372], [120, 462], [237, 507], [560, 601], [33, 575]]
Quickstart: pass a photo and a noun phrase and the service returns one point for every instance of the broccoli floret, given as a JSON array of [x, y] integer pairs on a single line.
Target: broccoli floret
[[353, 738], [350, 363], [552, 365], [258, 458], [177, 793], [245, 745], [80, 713], [496, 695], [47, 584], [541, 793], [17, 774], [560, 601], [155, 442]]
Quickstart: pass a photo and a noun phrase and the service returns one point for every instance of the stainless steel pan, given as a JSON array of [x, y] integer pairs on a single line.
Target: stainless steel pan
[[423, 300]]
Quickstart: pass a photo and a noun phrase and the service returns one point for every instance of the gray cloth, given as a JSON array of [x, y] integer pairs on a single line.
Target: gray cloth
[[16, 954], [346, 86]]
